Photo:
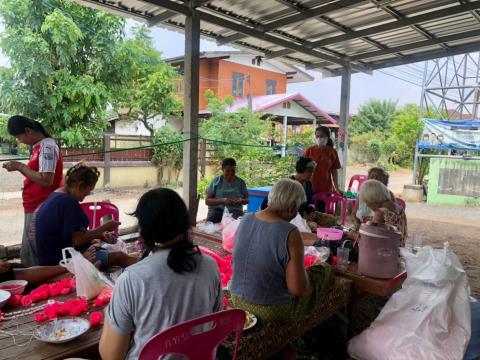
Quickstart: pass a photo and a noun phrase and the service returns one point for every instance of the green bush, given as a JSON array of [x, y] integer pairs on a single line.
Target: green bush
[[202, 185], [366, 147], [170, 155]]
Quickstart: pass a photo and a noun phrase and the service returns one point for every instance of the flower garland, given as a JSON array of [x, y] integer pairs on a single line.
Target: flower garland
[[54, 309]]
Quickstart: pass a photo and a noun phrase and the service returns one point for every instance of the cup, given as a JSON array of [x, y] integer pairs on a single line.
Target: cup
[[417, 241], [342, 257]]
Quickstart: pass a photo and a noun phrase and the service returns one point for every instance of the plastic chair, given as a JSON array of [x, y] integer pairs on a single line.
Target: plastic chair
[[331, 200], [401, 203], [356, 178], [97, 210], [194, 341]]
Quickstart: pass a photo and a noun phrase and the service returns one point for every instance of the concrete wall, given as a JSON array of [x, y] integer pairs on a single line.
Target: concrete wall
[[454, 181]]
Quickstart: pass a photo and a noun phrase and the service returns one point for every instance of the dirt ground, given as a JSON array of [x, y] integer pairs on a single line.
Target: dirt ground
[[460, 226]]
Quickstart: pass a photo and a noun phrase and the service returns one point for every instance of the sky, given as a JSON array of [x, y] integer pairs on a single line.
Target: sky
[[324, 92]]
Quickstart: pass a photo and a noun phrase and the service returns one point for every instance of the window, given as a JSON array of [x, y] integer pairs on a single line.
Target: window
[[271, 87], [237, 84]]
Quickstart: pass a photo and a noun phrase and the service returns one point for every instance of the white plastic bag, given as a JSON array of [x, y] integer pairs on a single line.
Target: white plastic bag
[[301, 224], [428, 319], [226, 218], [209, 228], [87, 277], [321, 252]]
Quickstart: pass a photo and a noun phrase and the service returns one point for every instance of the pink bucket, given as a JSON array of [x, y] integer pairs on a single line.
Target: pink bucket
[[379, 251], [329, 234]]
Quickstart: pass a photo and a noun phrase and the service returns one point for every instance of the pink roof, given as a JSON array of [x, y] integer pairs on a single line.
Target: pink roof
[[266, 102]]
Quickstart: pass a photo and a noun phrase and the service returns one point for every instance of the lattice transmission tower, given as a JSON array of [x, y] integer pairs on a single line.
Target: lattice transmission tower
[[451, 88]]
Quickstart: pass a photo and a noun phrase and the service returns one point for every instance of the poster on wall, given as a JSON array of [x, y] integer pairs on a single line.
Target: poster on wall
[[445, 135]]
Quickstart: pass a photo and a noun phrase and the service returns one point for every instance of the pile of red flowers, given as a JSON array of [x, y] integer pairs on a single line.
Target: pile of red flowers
[[43, 292], [71, 307], [224, 264]]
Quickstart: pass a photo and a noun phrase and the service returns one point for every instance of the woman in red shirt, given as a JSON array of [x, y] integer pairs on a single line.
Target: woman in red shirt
[[43, 172], [325, 176]]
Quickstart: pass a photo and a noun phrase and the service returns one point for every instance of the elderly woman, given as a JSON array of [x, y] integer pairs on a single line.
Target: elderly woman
[[379, 199], [226, 190], [269, 278], [361, 212]]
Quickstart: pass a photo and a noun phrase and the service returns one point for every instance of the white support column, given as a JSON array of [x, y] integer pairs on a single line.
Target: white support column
[[284, 144], [314, 125], [343, 123], [190, 117]]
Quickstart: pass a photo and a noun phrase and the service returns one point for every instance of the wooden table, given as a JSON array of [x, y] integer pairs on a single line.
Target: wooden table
[[85, 346]]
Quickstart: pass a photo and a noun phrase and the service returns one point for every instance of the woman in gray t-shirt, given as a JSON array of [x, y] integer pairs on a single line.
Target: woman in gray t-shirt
[[226, 190], [172, 284]]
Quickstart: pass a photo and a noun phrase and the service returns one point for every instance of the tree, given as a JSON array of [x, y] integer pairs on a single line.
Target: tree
[[169, 155], [149, 90], [374, 115], [65, 63]]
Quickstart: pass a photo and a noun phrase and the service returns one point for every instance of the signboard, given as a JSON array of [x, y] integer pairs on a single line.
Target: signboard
[[445, 135]]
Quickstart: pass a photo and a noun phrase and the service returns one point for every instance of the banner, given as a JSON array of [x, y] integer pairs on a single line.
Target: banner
[[445, 135]]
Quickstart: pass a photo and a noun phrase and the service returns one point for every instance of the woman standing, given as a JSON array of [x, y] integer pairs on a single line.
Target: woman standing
[[43, 172], [325, 176]]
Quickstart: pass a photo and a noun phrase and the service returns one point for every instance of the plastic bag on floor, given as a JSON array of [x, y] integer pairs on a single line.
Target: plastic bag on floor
[[428, 319], [87, 277]]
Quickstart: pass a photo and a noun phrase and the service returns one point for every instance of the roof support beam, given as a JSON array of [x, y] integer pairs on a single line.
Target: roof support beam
[[231, 38], [161, 17], [303, 15], [417, 45], [458, 9], [258, 34], [279, 53]]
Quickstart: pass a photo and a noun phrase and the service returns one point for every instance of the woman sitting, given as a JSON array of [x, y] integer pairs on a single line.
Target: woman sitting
[[226, 190], [361, 212], [269, 278], [60, 222], [173, 284], [379, 199]]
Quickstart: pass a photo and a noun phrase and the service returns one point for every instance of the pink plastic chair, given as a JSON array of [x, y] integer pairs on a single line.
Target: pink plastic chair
[[189, 340], [97, 210], [331, 200], [356, 178], [401, 203]]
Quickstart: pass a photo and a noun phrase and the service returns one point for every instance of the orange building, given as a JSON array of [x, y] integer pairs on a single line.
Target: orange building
[[241, 74]]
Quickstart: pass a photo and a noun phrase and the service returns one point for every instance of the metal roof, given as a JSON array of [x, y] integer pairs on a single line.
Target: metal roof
[[323, 34]]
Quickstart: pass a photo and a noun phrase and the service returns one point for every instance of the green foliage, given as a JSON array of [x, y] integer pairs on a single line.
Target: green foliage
[[243, 127], [375, 115], [258, 166], [150, 90], [366, 147], [304, 139], [202, 185], [4, 135], [61, 72], [168, 155]]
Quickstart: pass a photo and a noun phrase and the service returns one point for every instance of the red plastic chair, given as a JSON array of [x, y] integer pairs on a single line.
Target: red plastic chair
[[189, 340], [331, 200], [356, 178], [401, 203], [97, 210]]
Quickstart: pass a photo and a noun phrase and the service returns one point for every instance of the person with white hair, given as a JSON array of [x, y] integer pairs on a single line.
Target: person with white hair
[[378, 198], [269, 277]]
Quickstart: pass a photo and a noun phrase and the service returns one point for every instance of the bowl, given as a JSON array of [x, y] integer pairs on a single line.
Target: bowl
[[4, 296], [14, 287], [329, 234], [59, 331]]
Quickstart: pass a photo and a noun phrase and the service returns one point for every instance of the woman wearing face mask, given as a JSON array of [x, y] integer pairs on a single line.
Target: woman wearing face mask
[[325, 176]]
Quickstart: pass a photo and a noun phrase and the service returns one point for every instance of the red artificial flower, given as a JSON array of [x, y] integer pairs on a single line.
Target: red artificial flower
[[65, 291], [96, 318], [1, 315], [27, 300], [40, 317], [15, 300]]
